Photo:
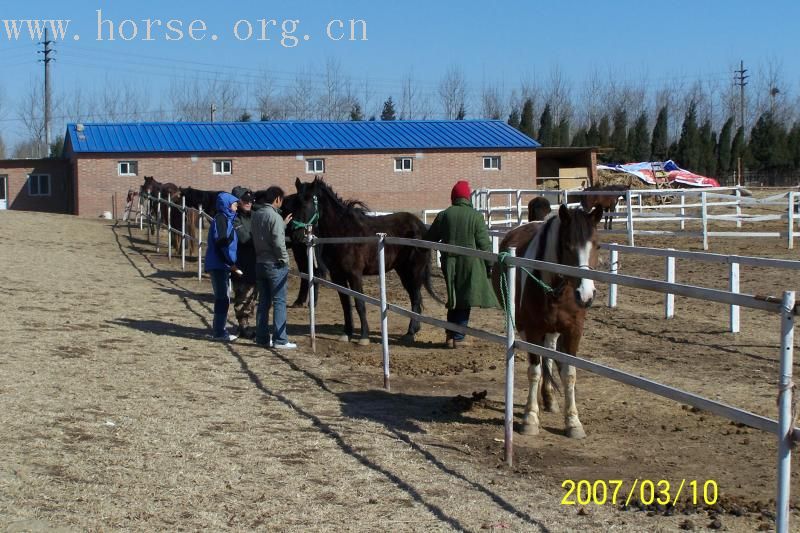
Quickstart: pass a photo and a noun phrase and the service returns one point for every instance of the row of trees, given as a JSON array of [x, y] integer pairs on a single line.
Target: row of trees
[[643, 119]]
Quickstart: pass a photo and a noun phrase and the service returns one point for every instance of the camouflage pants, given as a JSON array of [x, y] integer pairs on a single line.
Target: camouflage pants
[[244, 302]]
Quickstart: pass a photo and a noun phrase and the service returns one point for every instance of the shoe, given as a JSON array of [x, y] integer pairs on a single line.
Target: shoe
[[285, 346], [226, 338], [265, 344], [450, 343], [463, 343]]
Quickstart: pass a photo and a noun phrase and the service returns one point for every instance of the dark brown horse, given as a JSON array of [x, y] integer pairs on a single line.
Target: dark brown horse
[[295, 239], [607, 201], [348, 263], [550, 310], [168, 191]]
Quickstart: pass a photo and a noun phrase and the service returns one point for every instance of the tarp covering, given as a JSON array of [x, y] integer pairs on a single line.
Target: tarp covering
[[674, 173]]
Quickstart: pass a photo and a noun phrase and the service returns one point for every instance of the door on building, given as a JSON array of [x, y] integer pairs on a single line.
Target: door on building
[[3, 192]]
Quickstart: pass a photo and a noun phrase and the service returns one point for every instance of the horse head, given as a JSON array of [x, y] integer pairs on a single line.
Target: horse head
[[578, 247], [149, 185]]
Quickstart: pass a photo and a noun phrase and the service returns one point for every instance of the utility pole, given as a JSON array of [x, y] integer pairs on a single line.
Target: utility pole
[[740, 79], [213, 110], [47, 52]]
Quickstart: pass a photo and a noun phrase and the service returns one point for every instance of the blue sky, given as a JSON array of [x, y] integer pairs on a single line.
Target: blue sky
[[500, 42]]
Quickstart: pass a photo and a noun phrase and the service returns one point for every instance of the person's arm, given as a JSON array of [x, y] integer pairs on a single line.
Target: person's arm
[[223, 240], [482, 240], [434, 233]]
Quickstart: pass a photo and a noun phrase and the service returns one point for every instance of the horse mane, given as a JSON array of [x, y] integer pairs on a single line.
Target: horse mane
[[355, 207]]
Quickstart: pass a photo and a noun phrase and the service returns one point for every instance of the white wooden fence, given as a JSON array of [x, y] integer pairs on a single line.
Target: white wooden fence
[[660, 207]]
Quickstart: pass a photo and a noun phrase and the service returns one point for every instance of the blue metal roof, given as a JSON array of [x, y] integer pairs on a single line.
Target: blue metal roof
[[295, 136]]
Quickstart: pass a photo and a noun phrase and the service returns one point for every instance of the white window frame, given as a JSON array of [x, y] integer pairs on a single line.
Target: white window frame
[[314, 161], [38, 179], [490, 159], [133, 168], [221, 163], [401, 161]]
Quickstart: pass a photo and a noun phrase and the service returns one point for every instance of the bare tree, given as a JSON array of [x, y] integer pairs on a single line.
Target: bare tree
[[558, 95], [492, 105], [453, 92], [192, 99], [300, 97], [336, 99], [31, 114]]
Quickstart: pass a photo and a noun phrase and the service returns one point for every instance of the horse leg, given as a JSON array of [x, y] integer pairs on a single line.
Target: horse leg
[[530, 417], [572, 425], [361, 309], [549, 398], [346, 309], [413, 288]]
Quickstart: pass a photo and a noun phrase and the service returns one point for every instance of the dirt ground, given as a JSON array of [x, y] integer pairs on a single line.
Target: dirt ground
[[118, 412]]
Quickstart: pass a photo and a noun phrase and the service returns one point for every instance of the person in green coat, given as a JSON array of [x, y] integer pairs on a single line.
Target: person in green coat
[[467, 278]]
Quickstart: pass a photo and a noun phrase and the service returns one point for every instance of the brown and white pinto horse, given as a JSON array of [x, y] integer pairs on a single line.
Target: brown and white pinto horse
[[554, 318]]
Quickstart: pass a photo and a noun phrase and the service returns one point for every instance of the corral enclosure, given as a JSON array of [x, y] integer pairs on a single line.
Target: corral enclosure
[[119, 413]]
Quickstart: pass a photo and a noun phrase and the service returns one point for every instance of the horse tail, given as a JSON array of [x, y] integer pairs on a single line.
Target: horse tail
[[426, 277], [548, 376]]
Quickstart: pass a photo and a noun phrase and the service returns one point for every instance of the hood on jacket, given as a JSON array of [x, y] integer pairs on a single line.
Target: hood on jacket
[[224, 202]]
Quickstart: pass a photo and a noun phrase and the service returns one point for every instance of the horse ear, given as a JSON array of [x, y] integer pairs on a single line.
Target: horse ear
[[563, 213], [596, 214], [297, 184]]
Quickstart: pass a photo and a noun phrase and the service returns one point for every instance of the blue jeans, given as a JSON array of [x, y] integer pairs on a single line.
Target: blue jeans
[[271, 283], [219, 282], [460, 317]]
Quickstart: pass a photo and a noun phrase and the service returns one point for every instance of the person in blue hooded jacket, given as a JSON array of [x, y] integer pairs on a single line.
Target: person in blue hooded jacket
[[221, 260]]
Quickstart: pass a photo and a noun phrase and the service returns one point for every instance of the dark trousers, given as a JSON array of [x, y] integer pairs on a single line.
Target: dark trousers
[[219, 282], [244, 302], [460, 317]]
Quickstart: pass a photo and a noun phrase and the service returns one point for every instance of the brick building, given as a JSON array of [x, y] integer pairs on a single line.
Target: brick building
[[390, 165]]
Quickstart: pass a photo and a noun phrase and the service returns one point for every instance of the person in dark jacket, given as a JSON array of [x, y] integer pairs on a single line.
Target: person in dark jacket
[[467, 278], [221, 260], [244, 286]]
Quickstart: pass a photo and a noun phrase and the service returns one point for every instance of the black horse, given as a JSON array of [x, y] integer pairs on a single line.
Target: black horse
[[295, 239], [348, 263], [197, 198]]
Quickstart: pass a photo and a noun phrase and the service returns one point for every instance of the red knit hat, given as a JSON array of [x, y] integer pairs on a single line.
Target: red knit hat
[[460, 190]]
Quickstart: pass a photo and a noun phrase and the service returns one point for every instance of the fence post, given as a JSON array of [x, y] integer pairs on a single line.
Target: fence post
[[683, 210], [510, 304], [200, 244], [791, 220], [669, 298], [629, 209], [183, 234], [785, 418], [149, 215], [613, 267], [141, 213], [519, 207], [704, 217], [384, 310], [169, 230], [158, 223], [738, 208], [733, 286], [311, 309]]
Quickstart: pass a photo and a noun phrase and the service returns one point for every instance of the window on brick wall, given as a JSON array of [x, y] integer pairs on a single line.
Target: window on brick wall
[[223, 167], [403, 164], [38, 185], [491, 162], [127, 168], [315, 166]]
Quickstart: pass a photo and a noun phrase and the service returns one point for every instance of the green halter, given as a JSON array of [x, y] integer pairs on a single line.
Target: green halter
[[296, 224]]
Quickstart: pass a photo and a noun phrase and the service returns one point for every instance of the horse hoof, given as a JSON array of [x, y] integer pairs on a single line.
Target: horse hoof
[[363, 342], [576, 433], [530, 429], [407, 339], [343, 338], [297, 305]]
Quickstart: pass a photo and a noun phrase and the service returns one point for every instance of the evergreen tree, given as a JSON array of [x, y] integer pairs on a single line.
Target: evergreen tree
[[706, 166], [57, 147], [580, 139], [563, 132], [546, 133], [593, 135], [659, 147], [724, 148], [355, 113], [604, 132], [526, 120], [462, 112], [388, 112], [672, 151], [619, 138], [690, 147], [2, 148], [372, 118], [640, 145], [245, 117], [737, 149], [767, 146], [793, 145], [514, 119]]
